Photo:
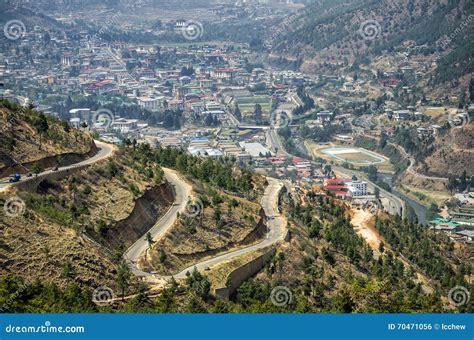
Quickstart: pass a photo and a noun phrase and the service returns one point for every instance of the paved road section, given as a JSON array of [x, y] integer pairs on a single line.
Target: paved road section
[[276, 228], [104, 151], [182, 193]]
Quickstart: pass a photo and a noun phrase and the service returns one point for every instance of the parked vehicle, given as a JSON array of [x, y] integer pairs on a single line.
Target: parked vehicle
[[14, 178]]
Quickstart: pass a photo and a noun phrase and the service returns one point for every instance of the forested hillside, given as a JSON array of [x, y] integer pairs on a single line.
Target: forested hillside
[[341, 32]]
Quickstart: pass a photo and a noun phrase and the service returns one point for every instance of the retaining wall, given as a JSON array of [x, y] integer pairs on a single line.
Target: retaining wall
[[239, 275], [30, 184]]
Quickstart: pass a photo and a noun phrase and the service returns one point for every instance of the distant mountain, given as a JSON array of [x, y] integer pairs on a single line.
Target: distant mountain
[[343, 31], [111, 4]]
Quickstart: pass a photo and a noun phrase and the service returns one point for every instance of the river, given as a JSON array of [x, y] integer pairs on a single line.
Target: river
[[420, 210]]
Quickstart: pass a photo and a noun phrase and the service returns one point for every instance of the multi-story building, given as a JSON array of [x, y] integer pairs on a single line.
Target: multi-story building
[[358, 188], [125, 125]]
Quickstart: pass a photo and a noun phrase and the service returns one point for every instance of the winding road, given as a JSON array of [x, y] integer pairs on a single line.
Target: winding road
[[276, 230], [104, 151], [182, 193], [275, 223]]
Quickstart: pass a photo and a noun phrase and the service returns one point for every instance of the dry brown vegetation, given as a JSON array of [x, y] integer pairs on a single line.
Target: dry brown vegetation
[[220, 224], [20, 140], [69, 230], [453, 153]]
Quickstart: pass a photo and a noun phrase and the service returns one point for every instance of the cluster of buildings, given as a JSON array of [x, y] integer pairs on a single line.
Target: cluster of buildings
[[459, 224], [346, 188], [200, 80], [295, 168]]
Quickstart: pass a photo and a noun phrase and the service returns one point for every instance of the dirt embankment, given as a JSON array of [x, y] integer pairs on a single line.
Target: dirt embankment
[[146, 212], [66, 159], [453, 154], [184, 249], [364, 225]]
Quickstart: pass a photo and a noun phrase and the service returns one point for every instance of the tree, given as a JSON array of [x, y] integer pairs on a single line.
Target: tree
[[257, 112], [68, 270], [123, 278], [36, 169], [383, 140], [142, 299], [41, 126], [344, 303], [237, 112], [381, 247], [162, 256], [149, 239], [66, 126], [199, 283]]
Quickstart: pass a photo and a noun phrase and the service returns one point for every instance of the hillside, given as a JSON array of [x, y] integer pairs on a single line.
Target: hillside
[[325, 267], [70, 229], [216, 224], [29, 137], [333, 35], [76, 227], [453, 153]]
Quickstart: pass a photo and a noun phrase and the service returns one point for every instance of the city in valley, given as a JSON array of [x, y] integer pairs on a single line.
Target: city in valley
[[236, 157]]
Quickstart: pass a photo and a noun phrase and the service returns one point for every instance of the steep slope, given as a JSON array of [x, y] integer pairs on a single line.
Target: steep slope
[[338, 33], [75, 225], [29, 137], [453, 153]]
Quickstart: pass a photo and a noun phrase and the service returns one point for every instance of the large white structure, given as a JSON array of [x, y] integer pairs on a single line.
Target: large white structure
[[125, 125], [148, 103], [255, 149], [357, 188], [83, 114]]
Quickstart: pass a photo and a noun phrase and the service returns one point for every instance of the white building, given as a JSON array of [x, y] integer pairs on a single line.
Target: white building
[[213, 106], [324, 116], [148, 103], [358, 188], [75, 123], [83, 114], [125, 125], [205, 152], [255, 149]]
